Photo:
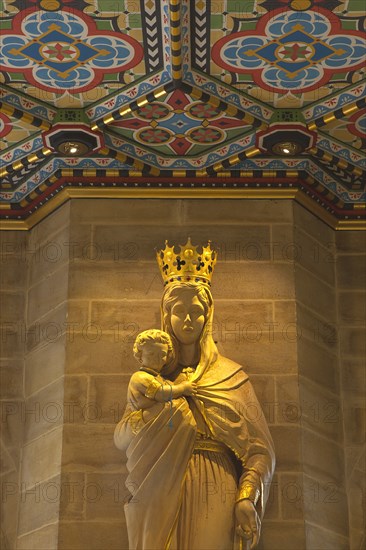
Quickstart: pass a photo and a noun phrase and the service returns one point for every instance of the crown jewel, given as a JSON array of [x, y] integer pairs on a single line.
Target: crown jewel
[[188, 265]]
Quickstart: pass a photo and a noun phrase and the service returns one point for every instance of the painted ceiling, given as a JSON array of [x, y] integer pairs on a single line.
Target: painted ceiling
[[183, 98]]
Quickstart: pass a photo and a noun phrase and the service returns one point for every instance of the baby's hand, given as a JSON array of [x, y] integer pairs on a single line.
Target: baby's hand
[[189, 388]]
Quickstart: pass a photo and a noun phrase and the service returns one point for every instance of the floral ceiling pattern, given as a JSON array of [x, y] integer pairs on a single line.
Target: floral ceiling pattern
[[176, 96]]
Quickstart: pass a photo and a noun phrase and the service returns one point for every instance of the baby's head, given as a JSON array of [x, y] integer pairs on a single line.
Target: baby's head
[[153, 348]]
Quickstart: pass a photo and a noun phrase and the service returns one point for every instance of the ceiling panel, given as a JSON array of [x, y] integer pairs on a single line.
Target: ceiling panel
[[183, 98]]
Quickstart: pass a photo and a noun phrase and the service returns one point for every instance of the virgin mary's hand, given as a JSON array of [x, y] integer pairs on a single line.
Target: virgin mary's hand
[[249, 524]]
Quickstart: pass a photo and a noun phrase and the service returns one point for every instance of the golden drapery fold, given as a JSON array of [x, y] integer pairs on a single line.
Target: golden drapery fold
[[157, 459], [164, 470]]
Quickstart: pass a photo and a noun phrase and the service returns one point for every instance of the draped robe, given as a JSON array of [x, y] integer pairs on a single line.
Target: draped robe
[[171, 480]]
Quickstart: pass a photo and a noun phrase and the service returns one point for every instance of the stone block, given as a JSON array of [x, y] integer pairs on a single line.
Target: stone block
[[73, 496], [81, 246], [259, 353], [108, 280], [77, 314], [351, 271], [325, 505], [283, 248], [7, 464], [42, 458], [13, 268], [285, 313], [287, 448], [353, 341], [121, 316], [273, 507], [318, 364], [312, 293], [108, 397], [264, 387], [89, 448], [12, 422], [132, 244], [253, 281], [322, 458], [320, 410], [77, 408], [106, 495], [356, 499], [48, 294], [324, 539], [49, 226], [291, 492], [11, 379], [15, 453], [12, 307], [42, 539], [49, 329], [111, 353], [44, 410], [129, 211], [357, 539], [44, 365], [321, 331], [247, 316], [39, 506], [352, 307], [316, 228], [355, 460], [238, 211], [12, 339], [13, 261], [354, 417], [283, 535], [93, 535], [49, 256], [318, 257], [353, 377], [9, 489], [287, 406], [351, 242], [11, 244]]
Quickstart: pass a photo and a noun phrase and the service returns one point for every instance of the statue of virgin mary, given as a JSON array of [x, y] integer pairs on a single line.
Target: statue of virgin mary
[[200, 470]]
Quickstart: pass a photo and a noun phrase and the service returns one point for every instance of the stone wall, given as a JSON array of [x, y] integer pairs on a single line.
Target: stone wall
[[13, 280], [324, 492], [46, 312], [351, 269], [91, 283]]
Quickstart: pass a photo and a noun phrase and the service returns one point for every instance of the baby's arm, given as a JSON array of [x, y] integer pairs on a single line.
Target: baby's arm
[[168, 391], [146, 385], [141, 385]]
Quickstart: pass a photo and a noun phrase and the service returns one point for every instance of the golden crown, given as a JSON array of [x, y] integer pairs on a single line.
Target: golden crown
[[189, 265]]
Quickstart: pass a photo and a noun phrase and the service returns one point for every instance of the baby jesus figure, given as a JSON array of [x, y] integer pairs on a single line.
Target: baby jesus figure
[[148, 391]]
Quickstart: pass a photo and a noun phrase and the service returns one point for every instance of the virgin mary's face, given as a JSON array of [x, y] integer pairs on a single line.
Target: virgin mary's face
[[187, 318]]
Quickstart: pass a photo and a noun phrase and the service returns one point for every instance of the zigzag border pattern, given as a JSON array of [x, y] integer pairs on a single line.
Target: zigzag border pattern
[[333, 185], [200, 43], [33, 182], [152, 32]]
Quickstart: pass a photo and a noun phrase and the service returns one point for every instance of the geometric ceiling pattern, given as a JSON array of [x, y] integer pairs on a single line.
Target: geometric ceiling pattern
[[183, 98]]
